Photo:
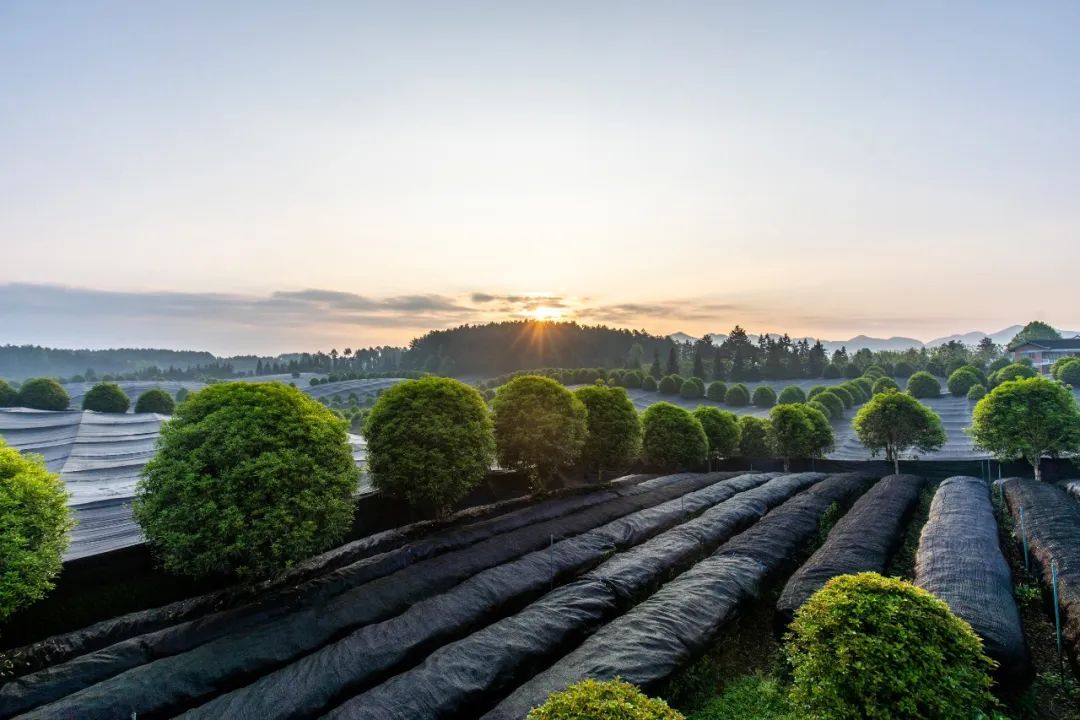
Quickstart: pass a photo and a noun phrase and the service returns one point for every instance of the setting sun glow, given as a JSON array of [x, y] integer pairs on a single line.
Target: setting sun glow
[[544, 312]]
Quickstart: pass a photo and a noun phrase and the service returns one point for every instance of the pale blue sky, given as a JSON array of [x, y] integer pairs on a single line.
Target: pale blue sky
[[673, 166]]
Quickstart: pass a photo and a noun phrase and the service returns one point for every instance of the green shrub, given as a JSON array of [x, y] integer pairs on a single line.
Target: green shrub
[[648, 383], [182, 394], [832, 372], [799, 431], [721, 429], [43, 394], [996, 365], [540, 427], [9, 397], [845, 396], [874, 372], [851, 371], [866, 384], [962, 380], [894, 422], [613, 428], [737, 396], [717, 390], [754, 437], [791, 395], [976, 393], [155, 400], [633, 379], [857, 392], [815, 391], [248, 479], [908, 656], [668, 385], [764, 396], [673, 439], [1069, 373], [833, 402], [692, 389], [748, 698], [823, 409], [923, 385], [602, 700], [34, 522], [936, 368], [1012, 372], [885, 384], [106, 398], [903, 369]]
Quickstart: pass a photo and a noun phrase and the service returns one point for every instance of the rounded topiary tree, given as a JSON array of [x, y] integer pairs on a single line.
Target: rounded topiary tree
[[910, 658], [632, 379], [648, 383], [668, 385], [875, 372], [832, 371], [791, 395], [1069, 373], [894, 422], [43, 394], [845, 397], [737, 396], [613, 437], [9, 397], [540, 427], [672, 438], [903, 369], [602, 700], [857, 392], [754, 441], [823, 409], [884, 384], [923, 385], [962, 380], [721, 429], [815, 391], [764, 396], [1015, 371], [831, 401], [34, 522], [976, 393], [716, 391], [248, 479], [106, 398], [799, 431], [692, 389]]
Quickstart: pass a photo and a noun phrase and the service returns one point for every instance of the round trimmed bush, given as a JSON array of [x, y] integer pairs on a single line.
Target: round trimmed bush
[[721, 429], [737, 396], [540, 427], [672, 438], [182, 394], [885, 384], [717, 390], [43, 394], [754, 441], [9, 397], [613, 428], [866, 384], [976, 393], [764, 396], [1015, 371], [851, 371], [791, 395], [962, 380], [875, 372], [910, 657], [903, 369], [34, 522], [668, 385], [857, 392], [996, 365], [815, 391], [923, 385], [845, 397], [832, 372], [106, 398], [632, 379], [1069, 373], [248, 479], [157, 401], [692, 389], [832, 402], [602, 700], [648, 383], [820, 407]]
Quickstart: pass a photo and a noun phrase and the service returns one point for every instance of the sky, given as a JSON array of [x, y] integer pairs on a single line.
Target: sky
[[269, 176]]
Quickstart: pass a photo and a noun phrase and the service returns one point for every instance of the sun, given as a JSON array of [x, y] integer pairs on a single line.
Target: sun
[[545, 312]]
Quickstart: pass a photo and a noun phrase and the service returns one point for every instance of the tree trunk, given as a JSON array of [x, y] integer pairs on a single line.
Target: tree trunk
[[896, 465], [787, 465], [1037, 465]]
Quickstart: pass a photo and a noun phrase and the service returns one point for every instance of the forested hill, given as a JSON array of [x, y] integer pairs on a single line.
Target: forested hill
[[22, 361], [502, 347]]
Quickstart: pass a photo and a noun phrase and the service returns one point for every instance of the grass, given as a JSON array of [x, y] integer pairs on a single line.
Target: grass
[[902, 564], [756, 697]]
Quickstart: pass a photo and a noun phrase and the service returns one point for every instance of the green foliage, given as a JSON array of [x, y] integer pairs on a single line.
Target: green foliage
[[792, 394], [43, 394], [673, 439], [540, 427], [613, 437], [831, 401], [430, 442], [1015, 371], [716, 391], [903, 369], [1029, 418], [248, 479], [155, 400], [737, 396], [648, 383], [182, 394], [923, 385], [858, 393], [749, 698], [865, 647], [799, 431], [721, 429], [832, 372], [633, 379], [845, 397], [1034, 330], [591, 699], [962, 380], [875, 372], [823, 409], [866, 384], [894, 422], [764, 396], [883, 385], [1068, 372], [815, 391], [668, 385], [754, 437], [692, 388], [976, 393], [106, 398], [9, 397], [34, 522]]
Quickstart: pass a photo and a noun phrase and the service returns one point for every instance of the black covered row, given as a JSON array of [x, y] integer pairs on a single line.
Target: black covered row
[[166, 681], [862, 541], [1052, 523], [960, 561], [372, 652]]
